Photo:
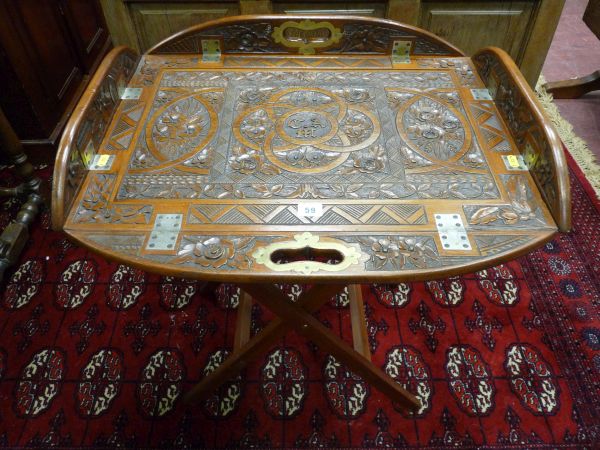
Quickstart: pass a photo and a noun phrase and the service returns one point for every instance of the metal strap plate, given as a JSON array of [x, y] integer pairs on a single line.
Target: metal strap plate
[[401, 52], [481, 94], [165, 232], [102, 162], [452, 232], [131, 93], [211, 50], [514, 162]]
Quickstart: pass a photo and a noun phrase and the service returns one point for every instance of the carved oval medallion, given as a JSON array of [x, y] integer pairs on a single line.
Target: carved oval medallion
[[179, 129], [434, 129]]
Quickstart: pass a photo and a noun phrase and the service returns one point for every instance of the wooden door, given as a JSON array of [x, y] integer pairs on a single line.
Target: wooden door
[[154, 22], [472, 25], [86, 24], [373, 8], [38, 45]]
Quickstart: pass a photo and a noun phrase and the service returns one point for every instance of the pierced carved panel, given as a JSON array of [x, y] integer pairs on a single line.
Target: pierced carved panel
[[528, 133], [238, 253], [268, 37], [94, 123]]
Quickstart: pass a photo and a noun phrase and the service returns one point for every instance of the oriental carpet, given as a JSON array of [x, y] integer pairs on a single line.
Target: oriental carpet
[[96, 354]]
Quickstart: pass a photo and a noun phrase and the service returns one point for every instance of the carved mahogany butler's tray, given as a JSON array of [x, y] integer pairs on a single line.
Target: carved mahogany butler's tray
[[330, 151]]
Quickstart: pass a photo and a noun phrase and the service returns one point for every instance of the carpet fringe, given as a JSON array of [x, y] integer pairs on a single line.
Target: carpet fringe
[[578, 148]]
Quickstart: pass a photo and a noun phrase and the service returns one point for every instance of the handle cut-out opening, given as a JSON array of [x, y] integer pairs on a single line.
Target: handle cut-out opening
[[324, 255]]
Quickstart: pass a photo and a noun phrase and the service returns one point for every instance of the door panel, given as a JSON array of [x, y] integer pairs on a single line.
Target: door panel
[[473, 25], [374, 9], [48, 42], [154, 22], [87, 25]]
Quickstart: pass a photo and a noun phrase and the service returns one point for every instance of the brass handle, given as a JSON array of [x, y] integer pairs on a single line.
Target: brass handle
[[302, 250]]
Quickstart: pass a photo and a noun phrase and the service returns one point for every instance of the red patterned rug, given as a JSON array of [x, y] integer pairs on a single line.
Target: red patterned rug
[[96, 354]]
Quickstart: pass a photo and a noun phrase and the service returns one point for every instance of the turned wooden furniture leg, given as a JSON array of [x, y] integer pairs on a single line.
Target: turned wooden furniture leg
[[311, 300], [243, 322], [15, 235], [360, 335], [576, 87]]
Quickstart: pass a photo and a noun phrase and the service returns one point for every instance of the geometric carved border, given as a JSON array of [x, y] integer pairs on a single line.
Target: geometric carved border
[[276, 214]]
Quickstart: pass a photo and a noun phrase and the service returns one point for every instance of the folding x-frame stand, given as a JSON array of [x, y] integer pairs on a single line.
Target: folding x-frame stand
[[298, 316]]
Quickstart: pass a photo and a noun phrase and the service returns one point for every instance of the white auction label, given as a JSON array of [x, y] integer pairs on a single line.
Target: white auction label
[[310, 209]]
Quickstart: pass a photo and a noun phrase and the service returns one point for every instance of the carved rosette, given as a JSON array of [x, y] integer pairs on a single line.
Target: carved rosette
[[215, 252]]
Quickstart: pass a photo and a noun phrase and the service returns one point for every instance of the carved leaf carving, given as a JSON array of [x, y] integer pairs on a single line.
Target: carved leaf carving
[[484, 215], [509, 217]]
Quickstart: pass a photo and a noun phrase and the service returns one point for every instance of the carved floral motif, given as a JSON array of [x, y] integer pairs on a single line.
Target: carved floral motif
[[395, 252], [302, 130], [96, 206], [150, 67], [459, 65], [434, 129], [215, 252], [181, 127], [103, 105], [246, 160], [378, 39], [370, 160], [521, 208]]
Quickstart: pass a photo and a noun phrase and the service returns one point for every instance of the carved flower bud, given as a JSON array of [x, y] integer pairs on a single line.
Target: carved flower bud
[[212, 248]]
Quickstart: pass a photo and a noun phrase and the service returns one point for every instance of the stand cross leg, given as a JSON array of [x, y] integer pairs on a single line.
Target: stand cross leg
[[297, 316], [311, 300]]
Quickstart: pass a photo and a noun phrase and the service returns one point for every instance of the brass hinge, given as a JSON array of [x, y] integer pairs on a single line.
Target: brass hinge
[[401, 52], [211, 50]]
